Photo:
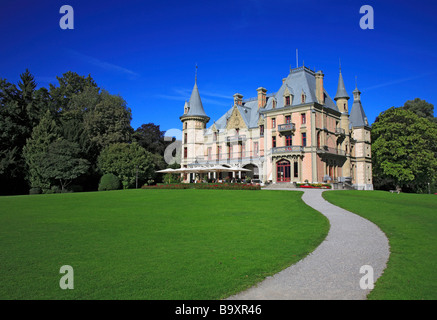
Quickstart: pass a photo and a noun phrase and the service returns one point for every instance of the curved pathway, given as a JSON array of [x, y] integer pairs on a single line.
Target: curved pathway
[[332, 271]]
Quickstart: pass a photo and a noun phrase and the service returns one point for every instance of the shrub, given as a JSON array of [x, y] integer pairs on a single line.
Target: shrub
[[314, 185], [35, 191], [53, 189], [109, 181], [75, 188], [213, 186]]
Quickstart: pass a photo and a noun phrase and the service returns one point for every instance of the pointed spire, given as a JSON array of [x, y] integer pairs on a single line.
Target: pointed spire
[[195, 103], [194, 106], [357, 117], [356, 92], [341, 90]]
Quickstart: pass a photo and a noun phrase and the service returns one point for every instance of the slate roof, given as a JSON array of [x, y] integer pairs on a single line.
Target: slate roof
[[195, 106], [341, 90], [357, 117], [300, 80]]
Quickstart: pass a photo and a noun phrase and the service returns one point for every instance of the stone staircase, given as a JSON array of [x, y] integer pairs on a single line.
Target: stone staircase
[[279, 185]]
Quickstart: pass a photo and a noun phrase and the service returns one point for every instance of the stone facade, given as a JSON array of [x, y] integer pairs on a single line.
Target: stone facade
[[296, 134]]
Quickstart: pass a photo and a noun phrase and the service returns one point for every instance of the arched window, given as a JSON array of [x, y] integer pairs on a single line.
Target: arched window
[[283, 171]]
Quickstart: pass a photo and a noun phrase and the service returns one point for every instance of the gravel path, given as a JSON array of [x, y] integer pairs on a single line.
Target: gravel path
[[332, 271]]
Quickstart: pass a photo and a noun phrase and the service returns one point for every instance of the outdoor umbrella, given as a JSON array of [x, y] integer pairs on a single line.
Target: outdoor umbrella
[[166, 170], [238, 169]]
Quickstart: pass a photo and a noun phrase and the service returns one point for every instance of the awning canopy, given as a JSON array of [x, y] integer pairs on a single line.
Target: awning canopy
[[216, 168]]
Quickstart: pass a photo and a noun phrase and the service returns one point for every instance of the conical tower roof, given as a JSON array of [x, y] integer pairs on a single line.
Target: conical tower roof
[[341, 90], [357, 117], [195, 103]]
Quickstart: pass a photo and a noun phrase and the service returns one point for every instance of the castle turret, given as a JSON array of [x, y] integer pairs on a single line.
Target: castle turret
[[194, 122], [341, 98], [342, 131], [362, 165]]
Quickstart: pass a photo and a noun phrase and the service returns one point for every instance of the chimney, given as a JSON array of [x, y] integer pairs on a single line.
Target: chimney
[[261, 97], [238, 99], [320, 94], [283, 80]]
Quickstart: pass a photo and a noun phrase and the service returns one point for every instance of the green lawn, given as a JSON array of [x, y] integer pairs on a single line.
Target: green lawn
[[410, 223], [151, 244]]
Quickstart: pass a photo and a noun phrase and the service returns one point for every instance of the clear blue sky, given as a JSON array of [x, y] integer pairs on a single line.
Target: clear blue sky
[[146, 51]]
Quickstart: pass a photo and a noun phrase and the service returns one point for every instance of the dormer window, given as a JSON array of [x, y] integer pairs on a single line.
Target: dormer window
[[288, 97], [287, 100], [273, 103], [303, 97]]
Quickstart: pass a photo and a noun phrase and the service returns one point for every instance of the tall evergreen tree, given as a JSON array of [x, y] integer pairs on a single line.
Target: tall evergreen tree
[[18, 114], [36, 149]]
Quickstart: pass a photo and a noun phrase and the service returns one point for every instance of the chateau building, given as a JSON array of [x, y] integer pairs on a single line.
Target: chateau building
[[296, 134]]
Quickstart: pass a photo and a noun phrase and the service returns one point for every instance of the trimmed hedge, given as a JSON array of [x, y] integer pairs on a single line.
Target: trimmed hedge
[[109, 181], [314, 185], [212, 186]]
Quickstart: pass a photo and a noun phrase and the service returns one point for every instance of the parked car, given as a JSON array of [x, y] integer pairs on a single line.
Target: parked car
[[257, 182]]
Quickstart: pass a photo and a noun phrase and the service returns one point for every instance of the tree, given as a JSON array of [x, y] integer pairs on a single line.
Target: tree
[[127, 161], [70, 84], [420, 108], [62, 162], [108, 122], [151, 138], [36, 149], [26, 100], [404, 150], [17, 116]]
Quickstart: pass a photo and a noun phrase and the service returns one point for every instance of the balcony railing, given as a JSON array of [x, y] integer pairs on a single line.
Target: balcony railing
[[287, 149], [234, 156], [287, 127], [331, 151], [236, 138], [339, 131]]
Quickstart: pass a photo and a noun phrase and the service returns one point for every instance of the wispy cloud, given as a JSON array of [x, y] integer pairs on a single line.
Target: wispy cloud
[[103, 64], [184, 95], [389, 83]]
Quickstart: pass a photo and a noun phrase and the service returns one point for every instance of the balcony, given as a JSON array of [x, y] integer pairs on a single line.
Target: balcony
[[329, 150], [236, 138], [339, 132], [287, 149], [234, 156], [286, 129]]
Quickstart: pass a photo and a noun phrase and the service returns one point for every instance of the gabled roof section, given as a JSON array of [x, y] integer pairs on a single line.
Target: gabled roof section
[[236, 119]]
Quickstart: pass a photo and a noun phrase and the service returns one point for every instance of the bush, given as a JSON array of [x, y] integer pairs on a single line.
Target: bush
[[52, 190], [75, 188], [314, 185], [209, 186], [109, 181], [35, 191]]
